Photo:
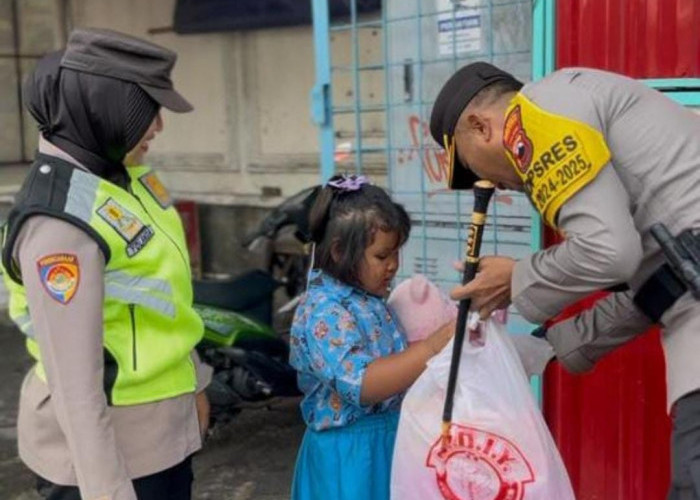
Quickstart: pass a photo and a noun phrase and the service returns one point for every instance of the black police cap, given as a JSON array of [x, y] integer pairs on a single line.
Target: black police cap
[[116, 55], [453, 98]]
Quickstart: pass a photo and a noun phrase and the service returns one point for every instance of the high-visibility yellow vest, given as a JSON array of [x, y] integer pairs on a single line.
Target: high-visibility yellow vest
[[150, 327]]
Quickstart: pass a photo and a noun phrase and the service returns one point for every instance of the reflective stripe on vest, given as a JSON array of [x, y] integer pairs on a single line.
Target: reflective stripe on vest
[[81, 195], [137, 297], [24, 323], [124, 279]]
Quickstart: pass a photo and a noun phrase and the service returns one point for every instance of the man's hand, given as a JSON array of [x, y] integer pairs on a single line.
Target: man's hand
[[490, 289], [203, 413]]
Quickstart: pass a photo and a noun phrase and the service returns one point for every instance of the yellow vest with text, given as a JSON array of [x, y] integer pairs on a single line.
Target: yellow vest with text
[[555, 156], [150, 327]]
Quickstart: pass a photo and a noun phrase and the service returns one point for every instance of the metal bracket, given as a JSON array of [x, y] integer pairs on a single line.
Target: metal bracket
[[320, 104]]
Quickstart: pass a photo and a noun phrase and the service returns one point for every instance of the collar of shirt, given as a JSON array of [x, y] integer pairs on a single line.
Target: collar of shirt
[[333, 286], [47, 148]]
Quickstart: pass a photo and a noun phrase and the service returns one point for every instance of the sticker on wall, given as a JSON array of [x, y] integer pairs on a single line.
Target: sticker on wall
[[459, 27]]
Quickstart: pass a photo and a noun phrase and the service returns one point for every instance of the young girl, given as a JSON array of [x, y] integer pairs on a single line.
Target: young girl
[[353, 361]]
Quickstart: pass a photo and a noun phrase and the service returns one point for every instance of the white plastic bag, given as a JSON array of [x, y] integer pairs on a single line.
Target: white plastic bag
[[499, 446]]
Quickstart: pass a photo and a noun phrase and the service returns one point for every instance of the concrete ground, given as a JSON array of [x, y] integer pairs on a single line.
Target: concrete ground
[[250, 458]]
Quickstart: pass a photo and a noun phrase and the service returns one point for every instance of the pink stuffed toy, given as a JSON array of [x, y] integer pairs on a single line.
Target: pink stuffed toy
[[421, 307]]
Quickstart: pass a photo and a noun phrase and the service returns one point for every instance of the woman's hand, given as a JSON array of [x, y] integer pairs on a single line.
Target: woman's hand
[[203, 413]]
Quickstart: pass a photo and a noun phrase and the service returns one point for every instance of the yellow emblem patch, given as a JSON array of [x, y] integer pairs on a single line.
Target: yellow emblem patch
[[123, 221], [555, 156], [129, 227], [153, 185]]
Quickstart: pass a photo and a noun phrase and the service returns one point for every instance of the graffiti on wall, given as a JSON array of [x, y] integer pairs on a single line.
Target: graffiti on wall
[[432, 156]]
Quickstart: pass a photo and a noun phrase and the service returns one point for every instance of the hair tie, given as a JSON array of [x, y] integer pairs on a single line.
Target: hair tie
[[348, 183]]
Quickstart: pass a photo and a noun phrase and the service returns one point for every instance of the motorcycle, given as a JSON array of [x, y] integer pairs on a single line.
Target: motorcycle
[[249, 356], [281, 240]]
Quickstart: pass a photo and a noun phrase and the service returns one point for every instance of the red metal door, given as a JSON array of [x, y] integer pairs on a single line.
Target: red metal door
[[611, 425], [189, 213], [639, 38]]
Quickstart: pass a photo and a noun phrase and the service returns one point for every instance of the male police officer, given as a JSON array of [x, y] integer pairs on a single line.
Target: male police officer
[[603, 158]]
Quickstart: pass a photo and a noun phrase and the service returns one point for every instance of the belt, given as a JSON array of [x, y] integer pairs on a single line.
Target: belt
[[668, 283], [658, 293]]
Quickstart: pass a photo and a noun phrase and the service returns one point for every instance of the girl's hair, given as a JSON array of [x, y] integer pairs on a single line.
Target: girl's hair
[[348, 218]]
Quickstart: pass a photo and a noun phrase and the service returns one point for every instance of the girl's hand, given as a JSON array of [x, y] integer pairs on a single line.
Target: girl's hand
[[437, 341], [395, 373]]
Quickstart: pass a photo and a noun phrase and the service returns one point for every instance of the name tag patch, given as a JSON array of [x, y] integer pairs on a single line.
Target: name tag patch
[[135, 246], [127, 225]]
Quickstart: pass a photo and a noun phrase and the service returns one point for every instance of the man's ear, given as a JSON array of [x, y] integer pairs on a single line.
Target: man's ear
[[479, 125]]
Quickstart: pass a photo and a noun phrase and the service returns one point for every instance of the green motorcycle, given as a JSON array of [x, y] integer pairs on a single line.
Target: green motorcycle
[[250, 359]]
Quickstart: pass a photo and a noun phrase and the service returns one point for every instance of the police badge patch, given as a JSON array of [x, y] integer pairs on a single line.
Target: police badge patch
[[153, 185], [60, 276], [135, 233], [516, 140]]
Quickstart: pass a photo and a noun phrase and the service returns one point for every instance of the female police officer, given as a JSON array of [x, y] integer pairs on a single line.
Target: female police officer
[[97, 267]]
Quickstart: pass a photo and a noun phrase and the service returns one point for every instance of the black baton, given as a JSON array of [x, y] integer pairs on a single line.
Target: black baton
[[483, 190]]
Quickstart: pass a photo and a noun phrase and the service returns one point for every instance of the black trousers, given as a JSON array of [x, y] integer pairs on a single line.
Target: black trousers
[[171, 484], [685, 449]]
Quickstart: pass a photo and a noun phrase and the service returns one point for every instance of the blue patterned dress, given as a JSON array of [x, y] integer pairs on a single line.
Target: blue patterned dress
[[338, 331]]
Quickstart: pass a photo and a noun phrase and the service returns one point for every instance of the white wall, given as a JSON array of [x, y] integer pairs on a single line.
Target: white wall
[[251, 134], [251, 128]]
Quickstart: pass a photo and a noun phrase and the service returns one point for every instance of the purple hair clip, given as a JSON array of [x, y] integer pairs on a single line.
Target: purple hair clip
[[349, 183]]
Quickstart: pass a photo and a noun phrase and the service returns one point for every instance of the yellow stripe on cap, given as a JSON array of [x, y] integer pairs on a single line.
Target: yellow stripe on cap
[[449, 143]]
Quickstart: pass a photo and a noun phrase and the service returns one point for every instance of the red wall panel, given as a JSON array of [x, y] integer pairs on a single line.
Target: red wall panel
[[640, 38], [611, 425], [189, 213]]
